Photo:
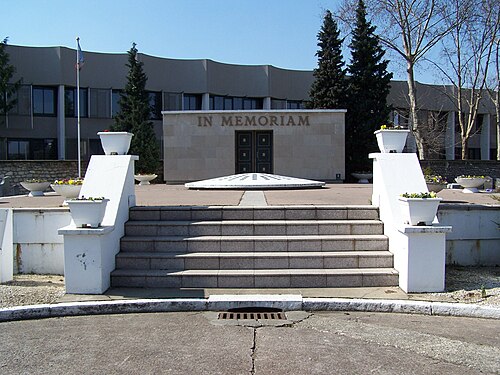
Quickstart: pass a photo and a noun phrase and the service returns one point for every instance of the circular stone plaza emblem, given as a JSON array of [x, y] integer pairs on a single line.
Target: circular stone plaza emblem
[[257, 181]]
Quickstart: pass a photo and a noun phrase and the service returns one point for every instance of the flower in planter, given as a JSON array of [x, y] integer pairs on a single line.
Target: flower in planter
[[35, 181], [434, 179], [430, 194], [69, 181], [83, 198], [469, 176], [392, 127]]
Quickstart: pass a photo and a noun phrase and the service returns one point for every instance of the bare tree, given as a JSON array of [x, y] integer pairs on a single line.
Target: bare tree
[[468, 53], [493, 88], [410, 28]]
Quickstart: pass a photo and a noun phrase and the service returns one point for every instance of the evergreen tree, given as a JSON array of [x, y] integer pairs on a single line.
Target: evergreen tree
[[134, 116], [368, 87], [329, 88], [7, 89]]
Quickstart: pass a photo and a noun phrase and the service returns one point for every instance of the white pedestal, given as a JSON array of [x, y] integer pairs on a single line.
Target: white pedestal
[[89, 254], [6, 246]]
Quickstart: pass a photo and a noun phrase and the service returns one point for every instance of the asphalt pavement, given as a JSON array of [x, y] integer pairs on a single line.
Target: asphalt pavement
[[199, 343]]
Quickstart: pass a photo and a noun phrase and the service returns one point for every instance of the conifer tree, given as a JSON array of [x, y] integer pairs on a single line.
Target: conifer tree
[[368, 88], [329, 88], [7, 88], [134, 116]]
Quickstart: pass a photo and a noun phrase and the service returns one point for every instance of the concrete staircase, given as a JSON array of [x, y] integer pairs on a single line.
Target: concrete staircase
[[254, 247]]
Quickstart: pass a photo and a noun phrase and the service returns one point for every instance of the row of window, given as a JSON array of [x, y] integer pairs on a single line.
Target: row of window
[[104, 103]]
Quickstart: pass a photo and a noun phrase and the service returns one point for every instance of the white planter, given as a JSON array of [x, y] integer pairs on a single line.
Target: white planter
[[390, 141], [36, 189], [419, 211], [67, 191], [363, 178], [87, 213], [115, 143], [145, 178], [470, 185], [435, 187]]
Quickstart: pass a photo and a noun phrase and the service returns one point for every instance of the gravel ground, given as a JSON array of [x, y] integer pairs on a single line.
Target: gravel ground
[[463, 284]]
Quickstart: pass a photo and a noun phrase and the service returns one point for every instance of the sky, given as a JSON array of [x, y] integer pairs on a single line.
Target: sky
[[282, 33]]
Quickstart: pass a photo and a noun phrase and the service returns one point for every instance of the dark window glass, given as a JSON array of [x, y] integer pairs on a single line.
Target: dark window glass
[[44, 101], [192, 102], [32, 149], [278, 104], [155, 104], [294, 104], [70, 108], [100, 103], [228, 104], [115, 102], [237, 103], [17, 150], [172, 101]]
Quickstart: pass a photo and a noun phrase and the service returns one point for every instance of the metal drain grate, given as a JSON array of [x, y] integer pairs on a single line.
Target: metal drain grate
[[252, 314]]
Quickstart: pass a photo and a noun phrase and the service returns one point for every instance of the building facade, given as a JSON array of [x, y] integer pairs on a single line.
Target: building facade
[[44, 126]]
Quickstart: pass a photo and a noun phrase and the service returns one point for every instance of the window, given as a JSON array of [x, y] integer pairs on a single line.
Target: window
[[17, 150], [44, 101], [115, 102], [155, 104], [100, 103], [228, 103], [70, 108], [32, 149], [278, 104], [172, 101], [294, 104], [23, 105], [192, 102]]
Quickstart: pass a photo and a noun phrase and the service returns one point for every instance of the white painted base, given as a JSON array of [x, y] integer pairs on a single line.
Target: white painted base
[[419, 252], [6, 248], [89, 254]]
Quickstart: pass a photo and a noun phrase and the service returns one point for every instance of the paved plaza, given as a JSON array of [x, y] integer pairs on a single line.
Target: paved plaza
[[173, 195]]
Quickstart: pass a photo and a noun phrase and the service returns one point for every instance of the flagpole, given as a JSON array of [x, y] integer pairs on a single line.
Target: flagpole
[[78, 103]]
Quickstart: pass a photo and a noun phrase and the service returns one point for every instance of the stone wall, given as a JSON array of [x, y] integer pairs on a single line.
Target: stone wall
[[453, 168], [49, 170]]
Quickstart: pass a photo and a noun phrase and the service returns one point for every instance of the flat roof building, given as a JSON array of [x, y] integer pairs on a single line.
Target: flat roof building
[[43, 124]]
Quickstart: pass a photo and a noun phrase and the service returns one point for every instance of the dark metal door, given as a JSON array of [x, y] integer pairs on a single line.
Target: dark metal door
[[254, 151]]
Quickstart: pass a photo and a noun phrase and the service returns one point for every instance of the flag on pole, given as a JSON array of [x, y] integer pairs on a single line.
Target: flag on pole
[[79, 55]]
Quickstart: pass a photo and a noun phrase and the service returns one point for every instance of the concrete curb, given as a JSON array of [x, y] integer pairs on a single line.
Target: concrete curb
[[225, 302]]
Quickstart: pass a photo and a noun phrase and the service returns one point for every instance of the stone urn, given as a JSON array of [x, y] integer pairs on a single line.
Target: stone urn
[[35, 188], [470, 183], [144, 179]]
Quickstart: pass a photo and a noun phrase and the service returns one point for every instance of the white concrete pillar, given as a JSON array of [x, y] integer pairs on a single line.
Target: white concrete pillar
[[485, 137], [266, 103], [449, 139], [205, 102], [61, 125]]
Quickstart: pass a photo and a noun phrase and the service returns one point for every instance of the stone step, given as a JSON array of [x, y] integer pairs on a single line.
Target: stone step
[[252, 227], [242, 260], [180, 244], [263, 278], [188, 213]]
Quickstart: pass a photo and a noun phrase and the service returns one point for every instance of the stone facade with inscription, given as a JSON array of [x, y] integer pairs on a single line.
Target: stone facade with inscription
[[305, 143]]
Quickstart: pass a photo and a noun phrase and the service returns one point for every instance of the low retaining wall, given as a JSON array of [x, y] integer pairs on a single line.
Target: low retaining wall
[[453, 168], [475, 240]]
